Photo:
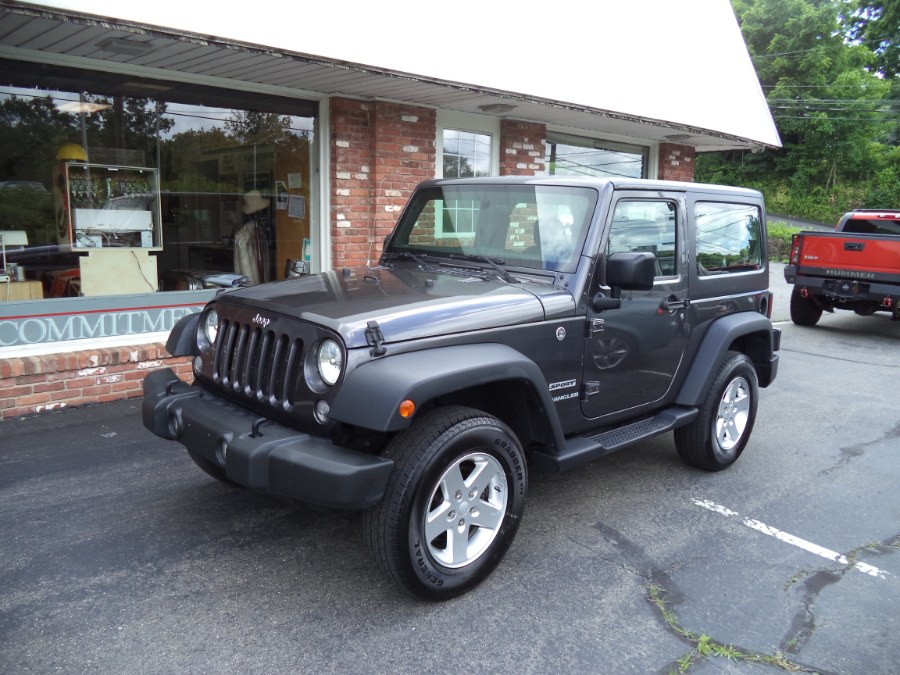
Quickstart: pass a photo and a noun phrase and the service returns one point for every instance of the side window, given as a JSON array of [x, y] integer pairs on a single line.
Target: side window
[[646, 226], [728, 238]]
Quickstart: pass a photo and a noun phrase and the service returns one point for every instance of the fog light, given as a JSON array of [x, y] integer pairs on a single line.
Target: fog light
[[198, 362], [221, 451], [321, 412], [175, 425]]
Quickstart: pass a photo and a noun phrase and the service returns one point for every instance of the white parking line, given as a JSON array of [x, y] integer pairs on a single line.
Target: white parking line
[[820, 551]]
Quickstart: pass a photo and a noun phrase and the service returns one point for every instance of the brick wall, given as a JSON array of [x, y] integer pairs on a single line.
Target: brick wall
[[379, 152], [522, 148], [676, 162], [36, 384]]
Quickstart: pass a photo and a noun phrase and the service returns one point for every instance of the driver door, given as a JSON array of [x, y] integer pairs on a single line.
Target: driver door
[[634, 353]]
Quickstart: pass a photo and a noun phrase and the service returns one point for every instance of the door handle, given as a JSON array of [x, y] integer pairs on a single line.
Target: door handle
[[672, 303]]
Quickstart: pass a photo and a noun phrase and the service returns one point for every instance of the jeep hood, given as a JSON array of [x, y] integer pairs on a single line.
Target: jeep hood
[[406, 303]]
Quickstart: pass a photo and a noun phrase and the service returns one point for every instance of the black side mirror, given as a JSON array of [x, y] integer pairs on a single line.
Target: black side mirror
[[631, 271], [628, 271]]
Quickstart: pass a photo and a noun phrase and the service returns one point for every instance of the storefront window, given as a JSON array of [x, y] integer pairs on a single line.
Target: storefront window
[[466, 154], [119, 194], [577, 156]]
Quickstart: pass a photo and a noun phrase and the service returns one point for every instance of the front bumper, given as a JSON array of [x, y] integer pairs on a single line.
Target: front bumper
[[258, 453]]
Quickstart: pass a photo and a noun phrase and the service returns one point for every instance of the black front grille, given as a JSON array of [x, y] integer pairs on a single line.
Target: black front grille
[[258, 363]]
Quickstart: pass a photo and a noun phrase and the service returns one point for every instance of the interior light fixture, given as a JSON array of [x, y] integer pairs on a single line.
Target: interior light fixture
[[86, 107], [496, 108]]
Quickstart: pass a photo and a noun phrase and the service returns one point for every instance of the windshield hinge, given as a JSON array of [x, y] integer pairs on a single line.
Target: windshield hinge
[[375, 339], [590, 388], [594, 325]]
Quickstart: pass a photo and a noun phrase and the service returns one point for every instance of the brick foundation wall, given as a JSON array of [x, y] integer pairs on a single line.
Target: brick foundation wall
[[676, 162], [379, 152], [38, 384], [522, 148]]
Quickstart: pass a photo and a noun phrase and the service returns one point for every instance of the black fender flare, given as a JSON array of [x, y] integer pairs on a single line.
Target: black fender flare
[[370, 395], [182, 340], [719, 337]]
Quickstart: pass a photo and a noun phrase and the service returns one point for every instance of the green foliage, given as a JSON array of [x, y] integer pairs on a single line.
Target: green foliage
[[780, 237], [30, 210], [824, 66], [876, 23], [884, 192]]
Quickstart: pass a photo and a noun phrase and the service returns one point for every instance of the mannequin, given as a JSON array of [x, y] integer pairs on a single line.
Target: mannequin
[[246, 239]]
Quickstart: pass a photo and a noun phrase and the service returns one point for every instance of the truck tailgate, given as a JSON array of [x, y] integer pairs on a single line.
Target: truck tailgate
[[832, 254]]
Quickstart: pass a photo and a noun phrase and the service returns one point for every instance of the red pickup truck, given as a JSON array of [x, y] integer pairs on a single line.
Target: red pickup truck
[[856, 267]]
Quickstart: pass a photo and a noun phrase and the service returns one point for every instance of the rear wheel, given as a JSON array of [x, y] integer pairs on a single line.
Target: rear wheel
[[719, 434], [452, 505], [804, 311]]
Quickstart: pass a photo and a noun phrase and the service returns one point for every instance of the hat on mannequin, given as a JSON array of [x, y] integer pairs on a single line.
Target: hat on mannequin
[[253, 202]]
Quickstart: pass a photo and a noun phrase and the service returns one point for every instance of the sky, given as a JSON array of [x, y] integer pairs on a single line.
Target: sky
[[661, 59]]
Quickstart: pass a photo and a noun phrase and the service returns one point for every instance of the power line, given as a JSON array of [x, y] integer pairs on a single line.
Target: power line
[[823, 119], [799, 51]]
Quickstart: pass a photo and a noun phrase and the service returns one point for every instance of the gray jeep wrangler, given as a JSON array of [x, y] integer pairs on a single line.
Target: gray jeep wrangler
[[510, 325]]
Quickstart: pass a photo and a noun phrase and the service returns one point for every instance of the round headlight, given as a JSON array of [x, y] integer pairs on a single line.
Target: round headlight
[[330, 360], [211, 326]]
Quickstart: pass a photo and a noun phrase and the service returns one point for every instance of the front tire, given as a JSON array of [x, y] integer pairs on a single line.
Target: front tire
[[452, 505], [718, 436]]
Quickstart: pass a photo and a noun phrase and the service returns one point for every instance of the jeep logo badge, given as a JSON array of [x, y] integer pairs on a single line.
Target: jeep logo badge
[[260, 321]]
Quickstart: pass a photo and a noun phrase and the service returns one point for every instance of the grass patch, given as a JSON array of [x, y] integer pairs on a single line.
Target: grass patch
[[704, 646]]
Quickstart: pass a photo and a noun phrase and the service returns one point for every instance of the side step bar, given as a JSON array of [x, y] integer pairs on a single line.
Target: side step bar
[[580, 450]]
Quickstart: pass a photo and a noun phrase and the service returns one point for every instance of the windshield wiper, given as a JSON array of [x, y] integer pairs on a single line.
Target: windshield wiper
[[406, 254], [493, 262]]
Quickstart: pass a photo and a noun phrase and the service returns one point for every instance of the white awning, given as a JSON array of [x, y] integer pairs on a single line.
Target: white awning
[[682, 64]]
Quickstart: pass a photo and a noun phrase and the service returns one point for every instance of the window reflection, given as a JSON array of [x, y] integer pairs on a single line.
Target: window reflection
[[574, 156], [728, 238], [200, 168]]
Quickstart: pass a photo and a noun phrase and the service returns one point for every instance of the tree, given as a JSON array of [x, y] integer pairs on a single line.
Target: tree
[[832, 107], [876, 24], [31, 131]]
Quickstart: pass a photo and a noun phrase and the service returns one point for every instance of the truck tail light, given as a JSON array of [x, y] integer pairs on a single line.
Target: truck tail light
[[795, 250]]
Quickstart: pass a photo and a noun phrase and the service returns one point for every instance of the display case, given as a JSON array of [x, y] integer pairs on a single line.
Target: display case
[[111, 207]]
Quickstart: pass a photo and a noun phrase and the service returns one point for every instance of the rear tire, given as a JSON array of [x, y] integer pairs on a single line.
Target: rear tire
[[452, 505], [718, 436], [804, 311]]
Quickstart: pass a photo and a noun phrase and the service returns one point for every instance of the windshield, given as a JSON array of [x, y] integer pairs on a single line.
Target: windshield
[[536, 226]]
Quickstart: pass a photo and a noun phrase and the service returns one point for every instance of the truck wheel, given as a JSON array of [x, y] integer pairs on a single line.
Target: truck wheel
[[452, 505], [804, 312], [717, 437]]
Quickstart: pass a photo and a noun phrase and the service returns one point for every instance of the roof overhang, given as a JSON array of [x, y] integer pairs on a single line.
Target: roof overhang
[[601, 87]]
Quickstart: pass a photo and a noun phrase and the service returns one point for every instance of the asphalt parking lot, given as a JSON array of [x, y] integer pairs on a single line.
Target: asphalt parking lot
[[118, 555]]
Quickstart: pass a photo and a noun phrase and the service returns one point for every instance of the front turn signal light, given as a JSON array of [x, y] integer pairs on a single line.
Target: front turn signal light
[[407, 408]]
